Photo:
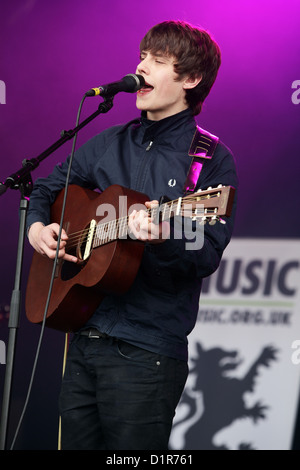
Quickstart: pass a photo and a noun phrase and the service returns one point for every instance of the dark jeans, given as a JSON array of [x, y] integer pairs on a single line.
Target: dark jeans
[[116, 396]]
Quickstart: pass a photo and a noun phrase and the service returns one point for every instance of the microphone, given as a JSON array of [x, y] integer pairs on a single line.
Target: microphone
[[130, 84]]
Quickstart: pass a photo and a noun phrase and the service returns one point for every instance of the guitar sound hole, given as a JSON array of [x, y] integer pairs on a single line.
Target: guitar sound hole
[[69, 270]]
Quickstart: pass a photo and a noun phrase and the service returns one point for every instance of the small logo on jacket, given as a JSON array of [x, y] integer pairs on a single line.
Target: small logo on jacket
[[172, 183]]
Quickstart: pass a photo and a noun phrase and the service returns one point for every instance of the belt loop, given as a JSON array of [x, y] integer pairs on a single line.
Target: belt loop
[[93, 333]]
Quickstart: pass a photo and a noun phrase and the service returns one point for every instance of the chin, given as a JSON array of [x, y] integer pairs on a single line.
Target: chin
[[141, 106]]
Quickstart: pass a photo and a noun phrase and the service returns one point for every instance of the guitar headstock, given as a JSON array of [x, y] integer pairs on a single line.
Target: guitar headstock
[[209, 205]]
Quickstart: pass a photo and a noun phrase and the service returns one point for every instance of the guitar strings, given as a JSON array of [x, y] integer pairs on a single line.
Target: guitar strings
[[121, 222]]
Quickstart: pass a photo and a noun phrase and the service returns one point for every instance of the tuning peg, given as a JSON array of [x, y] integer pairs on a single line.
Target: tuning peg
[[197, 214], [213, 220], [203, 221]]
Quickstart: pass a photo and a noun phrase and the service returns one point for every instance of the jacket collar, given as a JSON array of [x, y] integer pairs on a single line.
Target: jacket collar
[[155, 129]]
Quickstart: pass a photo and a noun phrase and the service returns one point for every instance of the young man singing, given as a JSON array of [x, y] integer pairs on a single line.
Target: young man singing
[[127, 367]]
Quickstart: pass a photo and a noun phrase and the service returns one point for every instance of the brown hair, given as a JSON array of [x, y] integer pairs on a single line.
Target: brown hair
[[195, 52]]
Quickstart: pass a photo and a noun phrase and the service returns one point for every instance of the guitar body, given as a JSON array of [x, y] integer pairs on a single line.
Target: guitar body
[[111, 268]]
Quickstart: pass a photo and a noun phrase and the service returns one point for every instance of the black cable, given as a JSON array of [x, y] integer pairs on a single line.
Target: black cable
[[52, 279]]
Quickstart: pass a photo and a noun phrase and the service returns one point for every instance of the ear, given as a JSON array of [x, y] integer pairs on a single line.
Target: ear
[[191, 82]]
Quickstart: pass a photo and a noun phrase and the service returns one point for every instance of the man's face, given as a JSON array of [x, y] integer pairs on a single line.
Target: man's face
[[164, 96]]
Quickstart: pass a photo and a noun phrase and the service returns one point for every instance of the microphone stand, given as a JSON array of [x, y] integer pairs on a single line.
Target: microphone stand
[[22, 181]]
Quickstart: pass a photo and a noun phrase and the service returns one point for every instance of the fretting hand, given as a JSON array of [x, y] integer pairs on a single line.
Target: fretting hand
[[143, 228]]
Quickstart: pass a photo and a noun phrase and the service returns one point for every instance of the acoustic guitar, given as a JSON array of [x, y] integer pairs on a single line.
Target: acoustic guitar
[[109, 258]]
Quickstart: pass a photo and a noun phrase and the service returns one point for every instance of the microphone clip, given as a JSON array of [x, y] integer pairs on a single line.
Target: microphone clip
[[106, 105]]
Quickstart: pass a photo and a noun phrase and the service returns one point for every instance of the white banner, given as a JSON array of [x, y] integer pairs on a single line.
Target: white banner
[[243, 387]]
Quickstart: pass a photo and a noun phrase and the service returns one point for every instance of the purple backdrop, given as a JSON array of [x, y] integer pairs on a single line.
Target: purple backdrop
[[51, 52]]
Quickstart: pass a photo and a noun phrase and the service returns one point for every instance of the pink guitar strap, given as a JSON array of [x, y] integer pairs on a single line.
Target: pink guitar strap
[[202, 148]]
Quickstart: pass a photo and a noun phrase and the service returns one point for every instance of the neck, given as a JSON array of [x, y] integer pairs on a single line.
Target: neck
[[160, 115]]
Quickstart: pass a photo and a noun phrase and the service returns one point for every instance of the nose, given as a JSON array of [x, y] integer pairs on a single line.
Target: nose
[[143, 67]]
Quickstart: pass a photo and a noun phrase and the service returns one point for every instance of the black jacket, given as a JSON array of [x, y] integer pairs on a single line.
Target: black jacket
[[160, 309]]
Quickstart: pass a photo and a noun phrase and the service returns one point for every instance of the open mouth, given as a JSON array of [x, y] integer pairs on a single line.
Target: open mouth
[[146, 89]]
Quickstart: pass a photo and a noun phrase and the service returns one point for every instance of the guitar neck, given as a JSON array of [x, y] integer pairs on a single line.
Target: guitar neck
[[203, 205], [118, 229]]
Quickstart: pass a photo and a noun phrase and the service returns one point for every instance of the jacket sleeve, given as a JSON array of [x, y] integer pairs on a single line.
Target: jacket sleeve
[[201, 256], [82, 173]]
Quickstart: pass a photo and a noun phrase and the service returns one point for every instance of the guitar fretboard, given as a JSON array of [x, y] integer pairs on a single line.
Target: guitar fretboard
[[118, 229], [201, 205]]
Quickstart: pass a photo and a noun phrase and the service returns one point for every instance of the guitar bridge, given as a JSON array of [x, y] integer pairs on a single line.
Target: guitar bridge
[[86, 242]]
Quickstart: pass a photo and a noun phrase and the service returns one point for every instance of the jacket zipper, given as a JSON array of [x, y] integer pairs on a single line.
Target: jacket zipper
[[149, 146], [140, 177]]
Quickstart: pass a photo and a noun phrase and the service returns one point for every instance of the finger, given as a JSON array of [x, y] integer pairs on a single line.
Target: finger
[[150, 204], [51, 253], [159, 233], [70, 258], [132, 225], [49, 244], [139, 227], [56, 229], [64, 235]]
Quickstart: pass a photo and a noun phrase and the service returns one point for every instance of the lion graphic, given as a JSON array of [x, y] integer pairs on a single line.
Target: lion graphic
[[216, 400]]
